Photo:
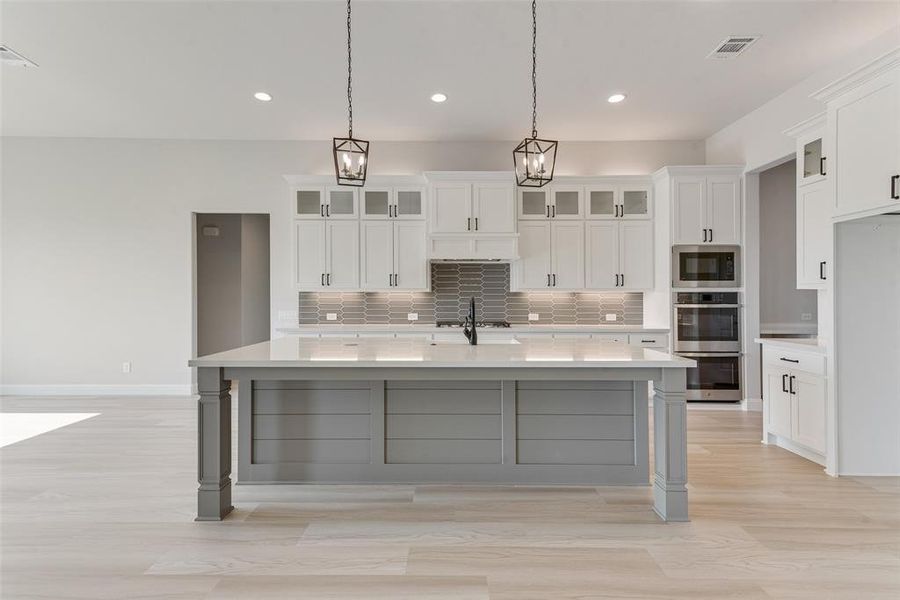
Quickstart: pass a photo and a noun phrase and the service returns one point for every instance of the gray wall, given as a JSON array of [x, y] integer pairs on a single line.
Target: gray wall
[[781, 303], [232, 282]]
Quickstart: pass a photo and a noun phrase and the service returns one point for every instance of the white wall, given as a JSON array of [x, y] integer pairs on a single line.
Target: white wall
[[96, 240], [781, 303], [756, 139]]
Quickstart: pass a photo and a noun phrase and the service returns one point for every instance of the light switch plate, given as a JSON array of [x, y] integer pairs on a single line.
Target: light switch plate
[[126, 367], [806, 316], [412, 316], [534, 317], [287, 315], [331, 316], [611, 316]]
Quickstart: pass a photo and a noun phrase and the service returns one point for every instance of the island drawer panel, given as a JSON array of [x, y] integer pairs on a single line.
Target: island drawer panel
[[575, 452], [310, 451], [311, 402], [311, 426], [575, 402], [452, 427], [442, 451], [575, 427], [437, 401]]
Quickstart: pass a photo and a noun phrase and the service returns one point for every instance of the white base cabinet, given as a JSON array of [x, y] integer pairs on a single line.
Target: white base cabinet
[[794, 400]]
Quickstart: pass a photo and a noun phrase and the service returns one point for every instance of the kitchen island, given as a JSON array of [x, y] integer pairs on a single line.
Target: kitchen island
[[404, 410]]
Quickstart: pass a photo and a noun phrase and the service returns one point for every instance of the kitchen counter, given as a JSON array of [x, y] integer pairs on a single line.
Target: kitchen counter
[[804, 344], [432, 328], [407, 410]]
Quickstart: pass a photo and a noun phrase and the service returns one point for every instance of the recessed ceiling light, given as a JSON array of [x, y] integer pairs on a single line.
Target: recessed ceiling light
[[439, 97], [615, 98], [263, 96]]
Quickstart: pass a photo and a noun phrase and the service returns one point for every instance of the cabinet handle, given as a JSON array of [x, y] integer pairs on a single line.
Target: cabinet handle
[[390, 280], [390, 211], [548, 279], [790, 360], [328, 279], [328, 210], [791, 385], [822, 270], [784, 383], [704, 235], [469, 224], [554, 280], [395, 280], [822, 166], [476, 223], [554, 211], [710, 235], [322, 210], [548, 211], [623, 279], [648, 341], [894, 194], [323, 279]]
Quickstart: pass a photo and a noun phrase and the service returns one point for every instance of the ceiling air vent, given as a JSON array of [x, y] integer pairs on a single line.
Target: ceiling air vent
[[11, 57], [732, 46]]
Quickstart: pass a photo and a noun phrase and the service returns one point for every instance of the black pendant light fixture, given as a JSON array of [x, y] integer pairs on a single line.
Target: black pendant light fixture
[[534, 158], [351, 156]]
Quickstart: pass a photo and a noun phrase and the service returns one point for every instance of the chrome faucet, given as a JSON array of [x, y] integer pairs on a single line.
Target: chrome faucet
[[471, 334]]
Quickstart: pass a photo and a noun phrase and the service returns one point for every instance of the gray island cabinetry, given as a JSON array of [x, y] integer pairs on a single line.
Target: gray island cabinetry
[[414, 411]]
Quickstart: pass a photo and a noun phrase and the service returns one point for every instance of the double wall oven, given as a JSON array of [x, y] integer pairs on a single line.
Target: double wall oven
[[708, 330]]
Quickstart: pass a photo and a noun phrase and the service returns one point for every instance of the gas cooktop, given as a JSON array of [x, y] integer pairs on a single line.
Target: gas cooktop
[[480, 324]]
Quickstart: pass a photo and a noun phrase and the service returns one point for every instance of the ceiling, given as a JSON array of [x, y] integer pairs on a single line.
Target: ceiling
[[189, 69]]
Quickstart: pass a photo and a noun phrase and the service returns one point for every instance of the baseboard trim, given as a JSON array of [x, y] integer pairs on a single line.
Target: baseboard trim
[[96, 390], [752, 404], [797, 449]]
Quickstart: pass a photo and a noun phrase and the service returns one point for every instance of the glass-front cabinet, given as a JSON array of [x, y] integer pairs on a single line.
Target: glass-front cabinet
[[812, 164], [618, 201], [324, 203], [393, 203], [534, 203]]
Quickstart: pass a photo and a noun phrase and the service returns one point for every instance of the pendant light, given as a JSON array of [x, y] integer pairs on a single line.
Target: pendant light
[[534, 158], [351, 156]]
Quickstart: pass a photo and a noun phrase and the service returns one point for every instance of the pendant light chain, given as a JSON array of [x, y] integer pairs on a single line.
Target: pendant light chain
[[534, 68], [349, 77]]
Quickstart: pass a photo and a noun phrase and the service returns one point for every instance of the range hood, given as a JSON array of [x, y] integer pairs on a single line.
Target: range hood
[[477, 248]]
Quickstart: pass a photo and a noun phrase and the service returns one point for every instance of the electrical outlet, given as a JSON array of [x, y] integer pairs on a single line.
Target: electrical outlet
[[611, 316], [534, 317], [126, 367], [806, 316], [412, 316], [287, 315], [331, 316]]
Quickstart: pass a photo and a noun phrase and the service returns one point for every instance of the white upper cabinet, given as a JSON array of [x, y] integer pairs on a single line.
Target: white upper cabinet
[[410, 261], [329, 202], [863, 127], [534, 203], [811, 159], [814, 235], [377, 256], [615, 201], [552, 256], [619, 255], [567, 255], [451, 209], [326, 255], [534, 265], [566, 202], [309, 254], [393, 256], [706, 209], [493, 208], [393, 203]]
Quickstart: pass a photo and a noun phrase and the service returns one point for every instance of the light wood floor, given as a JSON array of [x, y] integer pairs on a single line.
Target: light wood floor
[[103, 509]]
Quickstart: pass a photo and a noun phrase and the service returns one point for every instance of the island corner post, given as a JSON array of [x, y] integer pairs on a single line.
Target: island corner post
[[670, 498]]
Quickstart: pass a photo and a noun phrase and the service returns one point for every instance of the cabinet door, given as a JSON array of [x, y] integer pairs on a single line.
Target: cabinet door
[[342, 255], [341, 203], [634, 202], [636, 255], [410, 262], [808, 424], [602, 255], [811, 163], [602, 201], [567, 240], [409, 203], [309, 203], [377, 203], [689, 206], [377, 256], [494, 208], [309, 257], [566, 202], [723, 214], [534, 204], [867, 145], [779, 409], [813, 235], [451, 208], [534, 255]]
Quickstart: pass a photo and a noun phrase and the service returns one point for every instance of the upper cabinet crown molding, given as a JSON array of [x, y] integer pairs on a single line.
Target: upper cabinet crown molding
[[701, 170], [880, 65], [813, 123], [470, 176], [373, 180]]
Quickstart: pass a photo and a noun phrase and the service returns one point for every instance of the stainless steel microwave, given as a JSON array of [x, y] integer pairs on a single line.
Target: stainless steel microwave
[[706, 266]]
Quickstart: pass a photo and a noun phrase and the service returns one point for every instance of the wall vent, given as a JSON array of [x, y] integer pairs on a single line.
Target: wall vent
[[11, 57], [732, 46]]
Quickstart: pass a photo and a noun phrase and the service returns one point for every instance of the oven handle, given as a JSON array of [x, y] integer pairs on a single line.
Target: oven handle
[[721, 354]]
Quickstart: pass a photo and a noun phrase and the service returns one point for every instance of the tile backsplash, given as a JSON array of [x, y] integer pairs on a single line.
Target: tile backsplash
[[452, 284]]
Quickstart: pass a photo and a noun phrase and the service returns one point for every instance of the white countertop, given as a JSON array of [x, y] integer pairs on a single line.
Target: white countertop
[[390, 352], [805, 344], [432, 328]]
